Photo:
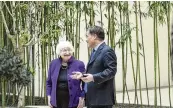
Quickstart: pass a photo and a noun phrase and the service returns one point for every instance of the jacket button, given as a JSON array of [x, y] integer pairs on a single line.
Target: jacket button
[[71, 95], [70, 87]]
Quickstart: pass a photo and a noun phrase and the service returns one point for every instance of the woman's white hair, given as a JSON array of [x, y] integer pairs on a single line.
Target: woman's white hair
[[64, 44]]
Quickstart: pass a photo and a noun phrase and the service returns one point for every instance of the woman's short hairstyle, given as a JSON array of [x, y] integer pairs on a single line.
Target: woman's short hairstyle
[[62, 45]]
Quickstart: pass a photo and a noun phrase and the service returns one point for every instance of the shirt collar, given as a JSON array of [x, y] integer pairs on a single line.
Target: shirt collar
[[98, 46]]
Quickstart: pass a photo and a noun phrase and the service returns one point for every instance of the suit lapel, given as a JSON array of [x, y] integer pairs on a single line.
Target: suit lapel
[[96, 53]]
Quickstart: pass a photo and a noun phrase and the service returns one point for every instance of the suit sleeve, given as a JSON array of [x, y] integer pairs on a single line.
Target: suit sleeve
[[49, 82], [110, 64], [82, 69]]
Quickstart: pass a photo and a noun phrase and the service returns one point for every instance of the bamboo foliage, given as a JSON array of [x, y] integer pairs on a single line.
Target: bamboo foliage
[[123, 9], [34, 28], [158, 9]]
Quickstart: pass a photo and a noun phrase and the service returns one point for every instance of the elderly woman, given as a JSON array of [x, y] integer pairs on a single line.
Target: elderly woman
[[61, 89]]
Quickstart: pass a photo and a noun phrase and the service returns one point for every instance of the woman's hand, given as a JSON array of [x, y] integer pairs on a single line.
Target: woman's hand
[[81, 102], [49, 104], [76, 75]]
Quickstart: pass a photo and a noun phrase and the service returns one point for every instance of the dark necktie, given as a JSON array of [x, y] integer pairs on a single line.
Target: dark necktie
[[92, 54]]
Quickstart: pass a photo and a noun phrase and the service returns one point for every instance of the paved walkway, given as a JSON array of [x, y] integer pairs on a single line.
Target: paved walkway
[[164, 96]]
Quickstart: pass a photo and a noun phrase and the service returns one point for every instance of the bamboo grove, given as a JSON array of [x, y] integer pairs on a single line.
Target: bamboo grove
[[34, 29]]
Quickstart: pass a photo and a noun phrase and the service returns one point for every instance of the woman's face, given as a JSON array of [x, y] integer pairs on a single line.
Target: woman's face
[[66, 54]]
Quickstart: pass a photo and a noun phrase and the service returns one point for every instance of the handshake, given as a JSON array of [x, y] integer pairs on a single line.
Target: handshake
[[83, 77]]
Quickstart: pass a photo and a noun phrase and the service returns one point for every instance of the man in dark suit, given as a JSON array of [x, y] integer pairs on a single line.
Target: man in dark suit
[[100, 72]]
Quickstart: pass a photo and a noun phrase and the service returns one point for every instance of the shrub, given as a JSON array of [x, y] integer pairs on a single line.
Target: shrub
[[13, 69]]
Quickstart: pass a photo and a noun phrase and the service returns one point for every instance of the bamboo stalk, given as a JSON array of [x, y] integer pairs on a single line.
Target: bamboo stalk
[[126, 43], [71, 25], [122, 45], [155, 61], [1, 78], [109, 24], [86, 24], [169, 51], [143, 49], [131, 54], [27, 62], [41, 46], [3, 92], [14, 93], [78, 46], [158, 61], [137, 51], [46, 25], [112, 38], [92, 17], [73, 20], [101, 14], [135, 79], [43, 49], [44, 71], [1, 32], [66, 20], [33, 81], [123, 48], [92, 13], [42, 61], [77, 29]]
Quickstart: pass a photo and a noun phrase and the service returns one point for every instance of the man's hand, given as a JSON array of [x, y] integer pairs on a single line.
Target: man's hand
[[81, 102], [87, 78], [76, 75]]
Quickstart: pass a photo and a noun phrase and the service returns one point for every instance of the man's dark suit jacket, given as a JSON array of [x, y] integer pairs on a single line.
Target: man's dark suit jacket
[[103, 67]]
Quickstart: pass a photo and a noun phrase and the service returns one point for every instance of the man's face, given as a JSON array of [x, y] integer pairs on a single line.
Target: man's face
[[90, 39]]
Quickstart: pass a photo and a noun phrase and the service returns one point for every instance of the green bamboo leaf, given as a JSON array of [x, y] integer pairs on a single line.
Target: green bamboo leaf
[[140, 46], [106, 16]]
